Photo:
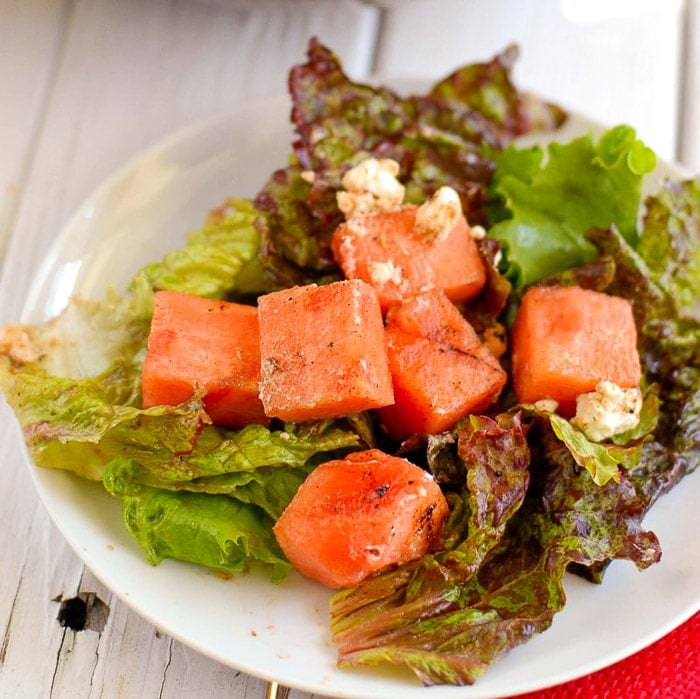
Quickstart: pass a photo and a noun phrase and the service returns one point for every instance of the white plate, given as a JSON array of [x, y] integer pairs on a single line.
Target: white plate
[[281, 632]]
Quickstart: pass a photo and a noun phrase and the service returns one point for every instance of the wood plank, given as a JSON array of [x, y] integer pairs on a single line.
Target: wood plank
[[615, 61], [131, 655], [689, 151], [36, 565], [25, 71]]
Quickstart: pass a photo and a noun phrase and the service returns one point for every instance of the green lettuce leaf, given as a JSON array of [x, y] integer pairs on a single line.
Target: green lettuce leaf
[[75, 425], [602, 461], [213, 257], [257, 465], [86, 339], [215, 531], [214, 501], [73, 384], [553, 197]]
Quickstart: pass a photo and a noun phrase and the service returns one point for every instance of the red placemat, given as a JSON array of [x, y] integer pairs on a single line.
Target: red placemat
[[667, 669]]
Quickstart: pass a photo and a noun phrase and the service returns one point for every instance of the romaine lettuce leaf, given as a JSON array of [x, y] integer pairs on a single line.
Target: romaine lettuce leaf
[[75, 426], [214, 501], [554, 196], [215, 531], [84, 340], [74, 382], [255, 464], [213, 257]]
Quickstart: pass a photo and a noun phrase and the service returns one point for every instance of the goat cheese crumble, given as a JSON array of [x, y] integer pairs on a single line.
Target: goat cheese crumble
[[371, 188], [607, 411]]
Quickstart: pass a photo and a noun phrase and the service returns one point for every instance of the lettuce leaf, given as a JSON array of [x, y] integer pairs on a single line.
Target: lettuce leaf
[[529, 512], [215, 531], [82, 341], [602, 461], [553, 196], [75, 425], [572, 515], [215, 503], [453, 634], [436, 615], [261, 466], [664, 297], [670, 244], [211, 262], [73, 384], [445, 137]]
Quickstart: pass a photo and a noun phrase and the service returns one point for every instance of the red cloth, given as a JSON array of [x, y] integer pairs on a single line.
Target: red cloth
[[667, 669]]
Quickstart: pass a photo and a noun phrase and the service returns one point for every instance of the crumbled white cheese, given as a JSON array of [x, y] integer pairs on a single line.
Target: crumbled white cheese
[[370, 188], [308, 176], [436, 218], [477, 232], [607, 411]]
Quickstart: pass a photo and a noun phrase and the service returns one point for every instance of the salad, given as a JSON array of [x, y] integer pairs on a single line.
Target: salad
[[531, 497]]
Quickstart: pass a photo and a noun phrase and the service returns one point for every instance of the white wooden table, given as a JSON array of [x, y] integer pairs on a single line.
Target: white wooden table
[[87, 84]]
